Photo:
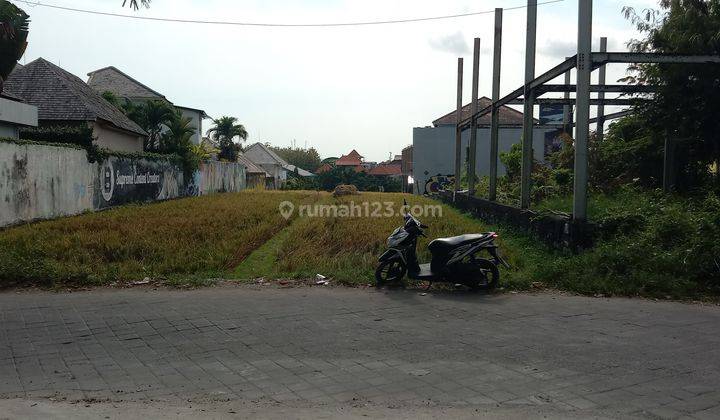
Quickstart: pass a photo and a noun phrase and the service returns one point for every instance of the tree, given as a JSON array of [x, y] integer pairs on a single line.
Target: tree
[[685, 103], [155, 115], [134, 3], [14, 26], [224, 133], [177, 137], [308, 159]]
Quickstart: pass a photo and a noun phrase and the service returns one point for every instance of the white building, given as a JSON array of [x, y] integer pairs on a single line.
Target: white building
[[434, 147]]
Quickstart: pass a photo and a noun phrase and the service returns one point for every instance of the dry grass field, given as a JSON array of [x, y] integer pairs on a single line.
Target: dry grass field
[[202, 236]]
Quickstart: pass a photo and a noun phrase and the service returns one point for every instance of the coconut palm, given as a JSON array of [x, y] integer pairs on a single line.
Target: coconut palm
[[178, 134], [224, 133], [134, 3], [155, 115]]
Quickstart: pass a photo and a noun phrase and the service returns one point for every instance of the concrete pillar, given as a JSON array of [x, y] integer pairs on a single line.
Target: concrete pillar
[[458, 133], [584, 67], [601, 95], [474, 109], [495, 124], [567, 109], [528, 123]]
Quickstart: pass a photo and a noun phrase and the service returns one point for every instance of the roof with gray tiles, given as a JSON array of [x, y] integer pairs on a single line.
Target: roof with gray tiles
[[62, 96], [111, 79]]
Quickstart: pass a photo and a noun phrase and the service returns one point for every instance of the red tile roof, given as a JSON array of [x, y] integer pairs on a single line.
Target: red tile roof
[[386, 170], [348, 161], [326, 167]]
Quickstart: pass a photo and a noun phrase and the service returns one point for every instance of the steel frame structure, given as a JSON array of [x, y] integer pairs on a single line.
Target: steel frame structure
[[529, 95]]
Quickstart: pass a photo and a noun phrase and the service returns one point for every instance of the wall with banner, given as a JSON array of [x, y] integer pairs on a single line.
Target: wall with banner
[[47, 181]]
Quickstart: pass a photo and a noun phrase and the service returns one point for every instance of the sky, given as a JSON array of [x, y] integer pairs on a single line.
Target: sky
[[335, 89]]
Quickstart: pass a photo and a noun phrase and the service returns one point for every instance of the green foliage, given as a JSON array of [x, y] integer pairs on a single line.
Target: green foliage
[[14, 27], [169, 132], [512, 160], [224, 133], [296, 182], [154, 116], [628, 153], [177, 140], [78, 134], [38, 143], [687, 93], [651, 244], [308, 159], [327, 181]]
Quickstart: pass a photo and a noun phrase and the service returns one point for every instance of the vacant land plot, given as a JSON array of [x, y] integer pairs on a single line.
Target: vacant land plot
[[347, 247], [203, 236], [242, 236]]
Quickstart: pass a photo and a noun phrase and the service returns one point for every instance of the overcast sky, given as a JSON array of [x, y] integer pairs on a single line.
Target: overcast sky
[[331, 88]]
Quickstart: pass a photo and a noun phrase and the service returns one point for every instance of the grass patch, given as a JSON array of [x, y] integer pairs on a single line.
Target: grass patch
[[346, 248], [263, 261], [654, 245], [200, 236]]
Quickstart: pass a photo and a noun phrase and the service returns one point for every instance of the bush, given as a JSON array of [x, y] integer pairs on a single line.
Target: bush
[[80, 135]]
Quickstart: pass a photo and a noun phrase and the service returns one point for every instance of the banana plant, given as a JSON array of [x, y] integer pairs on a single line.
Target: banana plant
[[14, 24]]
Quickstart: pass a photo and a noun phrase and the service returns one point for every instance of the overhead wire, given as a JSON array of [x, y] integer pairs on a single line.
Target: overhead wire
[[270, 24]]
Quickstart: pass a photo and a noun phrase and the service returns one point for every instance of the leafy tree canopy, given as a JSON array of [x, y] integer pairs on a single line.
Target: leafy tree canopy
[[685, 106], [308, 159]]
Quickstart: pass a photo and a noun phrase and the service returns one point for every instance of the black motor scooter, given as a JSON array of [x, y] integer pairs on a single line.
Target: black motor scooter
[[454, 260]]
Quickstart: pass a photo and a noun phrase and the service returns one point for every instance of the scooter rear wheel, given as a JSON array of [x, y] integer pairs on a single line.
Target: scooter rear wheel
[[487, 277], [389, 272]]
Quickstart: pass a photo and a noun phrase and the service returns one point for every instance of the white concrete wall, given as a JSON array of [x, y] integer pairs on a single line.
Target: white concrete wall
[[18, 113], [434, 150], [44, 182], [195, 121], [41, 182], [116, 140], [214, 177]]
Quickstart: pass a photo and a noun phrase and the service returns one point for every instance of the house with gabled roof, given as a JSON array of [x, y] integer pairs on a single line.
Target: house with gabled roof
[[63, 98], [255, 176], [261, 155], [112, 79], [433, 151]]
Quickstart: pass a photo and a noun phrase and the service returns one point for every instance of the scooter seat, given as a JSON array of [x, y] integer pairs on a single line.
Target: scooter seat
[[445, 244]]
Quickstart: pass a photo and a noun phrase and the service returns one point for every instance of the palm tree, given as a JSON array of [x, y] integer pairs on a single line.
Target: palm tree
[[224, 133], [156, 114], [134, 3], [178, 134]]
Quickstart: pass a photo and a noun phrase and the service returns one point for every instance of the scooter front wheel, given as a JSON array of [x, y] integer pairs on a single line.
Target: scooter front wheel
[[389, 272]]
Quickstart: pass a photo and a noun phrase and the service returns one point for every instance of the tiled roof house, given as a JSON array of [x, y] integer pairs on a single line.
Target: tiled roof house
[[63, 98]]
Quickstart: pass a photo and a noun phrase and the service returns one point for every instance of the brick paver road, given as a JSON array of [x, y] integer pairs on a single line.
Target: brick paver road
[[314, 345]]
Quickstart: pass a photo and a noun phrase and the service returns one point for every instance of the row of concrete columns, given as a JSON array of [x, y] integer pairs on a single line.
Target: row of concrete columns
[[584, 67]]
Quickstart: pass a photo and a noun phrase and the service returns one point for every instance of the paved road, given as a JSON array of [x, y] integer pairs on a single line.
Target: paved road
[[317, 347]]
